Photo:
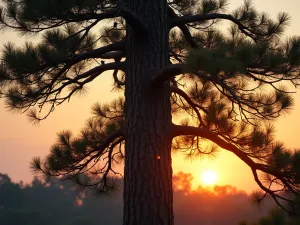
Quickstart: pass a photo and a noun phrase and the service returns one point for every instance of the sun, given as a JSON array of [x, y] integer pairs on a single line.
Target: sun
[[209, 177]]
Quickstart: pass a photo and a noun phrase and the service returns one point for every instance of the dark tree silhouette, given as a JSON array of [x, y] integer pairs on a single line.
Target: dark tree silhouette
[[276, 216], [59, 203], [54, 203], [170, 59]]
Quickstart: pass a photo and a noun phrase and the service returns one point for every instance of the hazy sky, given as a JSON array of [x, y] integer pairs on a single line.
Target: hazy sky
[[20, 140]]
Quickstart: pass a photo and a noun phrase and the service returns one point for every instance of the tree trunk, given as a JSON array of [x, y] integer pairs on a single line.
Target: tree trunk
[[148, 194]]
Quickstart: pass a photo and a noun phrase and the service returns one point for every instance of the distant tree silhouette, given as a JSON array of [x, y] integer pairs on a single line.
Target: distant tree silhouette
[[10, 193], [276, 217], [56, 203], [53, 203], [170, 59]]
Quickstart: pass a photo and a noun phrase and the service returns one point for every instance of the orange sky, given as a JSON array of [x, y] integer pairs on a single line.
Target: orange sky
[[20, 140]]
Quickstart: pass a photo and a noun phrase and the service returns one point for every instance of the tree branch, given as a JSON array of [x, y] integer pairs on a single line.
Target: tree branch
[[91, 75], [167, 73], [118, 82], [184, 29], [110, 138], [113, 55], [194, 105], [102, 52], [173, 70], [179, 21], [178, 130], [56, 19], [105, 52], [51, 94], [70, 17]]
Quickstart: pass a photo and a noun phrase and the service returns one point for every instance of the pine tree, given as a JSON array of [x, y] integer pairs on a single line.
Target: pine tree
[[172, 59]]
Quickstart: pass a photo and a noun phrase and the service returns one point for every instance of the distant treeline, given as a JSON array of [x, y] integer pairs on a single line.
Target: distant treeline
[[60, 203]]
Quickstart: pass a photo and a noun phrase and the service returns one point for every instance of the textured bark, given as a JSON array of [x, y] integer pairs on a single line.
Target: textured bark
[[148, 195]]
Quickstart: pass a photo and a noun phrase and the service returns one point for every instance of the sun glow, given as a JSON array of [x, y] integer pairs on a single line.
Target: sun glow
[[209, 177]]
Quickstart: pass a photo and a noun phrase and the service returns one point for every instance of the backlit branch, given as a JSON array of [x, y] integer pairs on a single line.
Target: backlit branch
[[77, 159], [199, 18], [184, 29], [239, 96], [173, 70], [60, 20], [286, 179], [118, 82], [167, 73], [51, 94], [15, 16], [105, 52], [196, 107]]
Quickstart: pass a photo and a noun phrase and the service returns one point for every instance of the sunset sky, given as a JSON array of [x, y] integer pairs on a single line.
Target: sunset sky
[[20, 140]]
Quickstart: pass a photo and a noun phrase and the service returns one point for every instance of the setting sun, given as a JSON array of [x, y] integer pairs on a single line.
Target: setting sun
[[209, 177]]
